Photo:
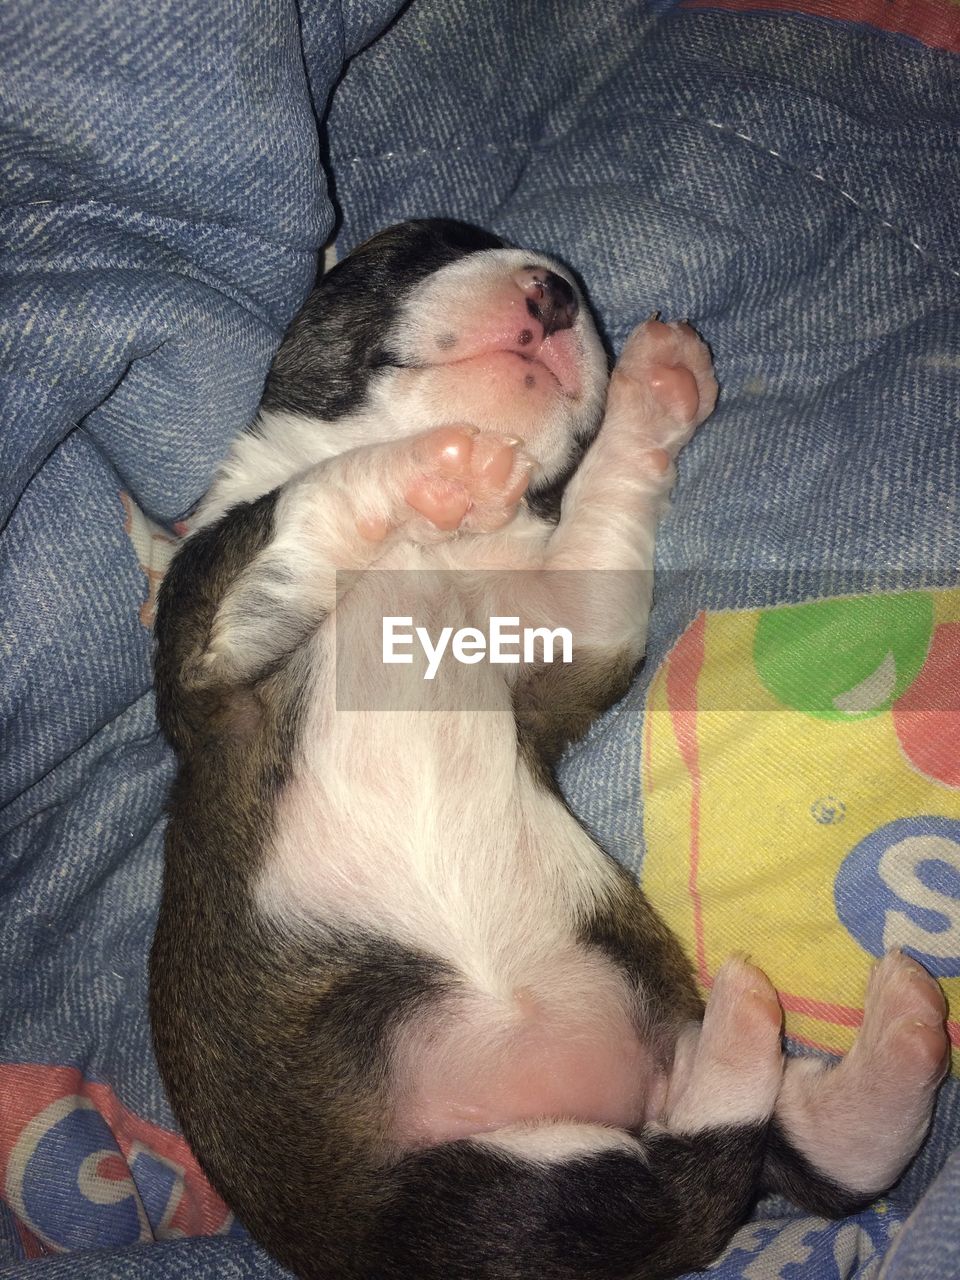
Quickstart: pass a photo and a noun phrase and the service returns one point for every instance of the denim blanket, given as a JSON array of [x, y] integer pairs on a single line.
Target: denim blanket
[[785, 174]]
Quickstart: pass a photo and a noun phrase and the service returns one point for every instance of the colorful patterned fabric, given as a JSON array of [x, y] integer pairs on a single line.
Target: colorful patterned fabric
[[935, 23], [802, 748], [784, 181]]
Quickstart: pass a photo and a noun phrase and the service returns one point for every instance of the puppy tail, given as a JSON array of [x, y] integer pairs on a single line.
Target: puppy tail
[[567, 1201]]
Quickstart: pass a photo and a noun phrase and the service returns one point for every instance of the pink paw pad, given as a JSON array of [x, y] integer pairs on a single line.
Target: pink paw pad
[[469, 477], [441, 502], [676, 389], [664, 378]]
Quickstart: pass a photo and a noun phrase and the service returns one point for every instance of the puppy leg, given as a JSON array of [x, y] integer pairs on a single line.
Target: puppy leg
[[337, 516], [598, 579], [661, 390], [857, 1124], [729, 1069]]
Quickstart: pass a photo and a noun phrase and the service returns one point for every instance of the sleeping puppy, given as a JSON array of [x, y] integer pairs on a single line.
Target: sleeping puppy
[[414, 1022]]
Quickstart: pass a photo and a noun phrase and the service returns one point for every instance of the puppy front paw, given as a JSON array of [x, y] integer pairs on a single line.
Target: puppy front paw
[[450, 480], [664, 384], [464, 480]]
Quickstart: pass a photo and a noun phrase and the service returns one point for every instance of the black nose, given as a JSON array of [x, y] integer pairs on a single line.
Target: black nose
[[552, 301]]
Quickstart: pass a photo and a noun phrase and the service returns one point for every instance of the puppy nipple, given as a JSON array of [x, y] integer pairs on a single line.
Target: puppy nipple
[[524, 1004]]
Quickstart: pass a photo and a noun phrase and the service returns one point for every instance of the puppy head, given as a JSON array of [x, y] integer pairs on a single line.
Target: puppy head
[[436, 322]]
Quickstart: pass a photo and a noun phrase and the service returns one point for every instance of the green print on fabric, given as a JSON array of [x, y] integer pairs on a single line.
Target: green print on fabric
[[844, 659]]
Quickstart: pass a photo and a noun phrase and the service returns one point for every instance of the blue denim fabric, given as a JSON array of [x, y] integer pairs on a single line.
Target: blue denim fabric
[[195, 1259], [786, 185], [163, 209], [928, 1247]]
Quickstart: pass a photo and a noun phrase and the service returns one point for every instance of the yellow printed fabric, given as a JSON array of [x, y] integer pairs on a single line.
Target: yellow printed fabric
[[802, 797]]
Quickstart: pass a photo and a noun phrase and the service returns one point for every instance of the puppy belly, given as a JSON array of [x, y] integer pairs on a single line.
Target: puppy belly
[[482, 1063]]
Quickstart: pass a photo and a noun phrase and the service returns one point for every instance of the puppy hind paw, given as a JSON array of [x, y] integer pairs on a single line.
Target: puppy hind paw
[[904, 1026], [733, 1073], [863, 1120]]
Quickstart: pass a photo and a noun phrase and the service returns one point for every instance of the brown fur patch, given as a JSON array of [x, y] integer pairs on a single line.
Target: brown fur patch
[[272, 1045], [555, 704]]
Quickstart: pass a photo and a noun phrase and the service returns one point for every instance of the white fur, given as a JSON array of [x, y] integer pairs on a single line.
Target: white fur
[[729, 1071], [277, 447], [556, 1143]]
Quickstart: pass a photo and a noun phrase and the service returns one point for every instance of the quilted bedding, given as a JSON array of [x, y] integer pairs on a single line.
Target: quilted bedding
[[783, 775]]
